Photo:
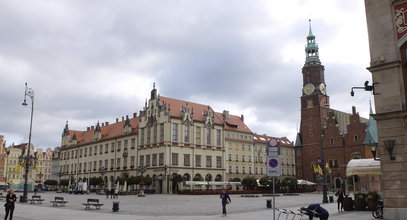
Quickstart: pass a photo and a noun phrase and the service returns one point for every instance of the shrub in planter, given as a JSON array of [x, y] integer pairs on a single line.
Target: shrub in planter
[[372, 197], [360, 201]]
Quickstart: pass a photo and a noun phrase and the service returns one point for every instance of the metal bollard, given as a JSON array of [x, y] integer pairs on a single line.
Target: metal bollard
[[115, 206], [268, 203]]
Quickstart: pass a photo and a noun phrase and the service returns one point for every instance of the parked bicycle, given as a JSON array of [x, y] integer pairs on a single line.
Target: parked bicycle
[[378, 212]]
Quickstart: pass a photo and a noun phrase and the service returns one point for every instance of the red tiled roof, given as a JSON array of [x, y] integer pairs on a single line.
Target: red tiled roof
[[176, 105], [108, 131], [264, 139], [234, 123]]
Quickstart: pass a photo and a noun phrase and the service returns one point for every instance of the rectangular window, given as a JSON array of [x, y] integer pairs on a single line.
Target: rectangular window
[[142, 136], [174, 132], [237, 169], [96, 150], [112, 147], [94, 165], [208, 161], [161, 159], [119, 146], [133, 143], [101, 149], [198, 135], [80, 153], [230, 169], [155, 134], [106, 148], [218, 137], [84, 167], [174, 159], [198, 160], [124, 162], [242, 158], [250, 158], [148, 160], [218, 162], [186, 133], [208, 135], [125, 143], [100, 164], [162, 132], [333, 164], [187, 160], [148, 135], [118, 164], [86, 152], [106, 163], [237, 158], [154, 162], [230, 157], [132, 159], [142, 160], [111, 164]]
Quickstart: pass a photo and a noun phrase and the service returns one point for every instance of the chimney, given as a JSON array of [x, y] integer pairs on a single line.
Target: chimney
[[135, 115], [353, 110], [122, 118], [226, 114], [242, 117], [88, 128], [106, 123], [117, 120], [92, 127], [103, 124]]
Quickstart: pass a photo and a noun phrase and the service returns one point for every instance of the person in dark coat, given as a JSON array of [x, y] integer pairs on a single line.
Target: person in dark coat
[[107, 191], [225, 200], [112, 193], [315, 210], [10, 200], [340, 196]]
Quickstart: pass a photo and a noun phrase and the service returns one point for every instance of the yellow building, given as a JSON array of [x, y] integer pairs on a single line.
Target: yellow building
[[169, 138]]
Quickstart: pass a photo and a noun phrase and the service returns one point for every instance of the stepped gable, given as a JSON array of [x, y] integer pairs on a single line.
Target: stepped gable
[[108, 131], [175, 108]]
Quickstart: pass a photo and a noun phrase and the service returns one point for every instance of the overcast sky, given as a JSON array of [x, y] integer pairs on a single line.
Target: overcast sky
[[90, 61]]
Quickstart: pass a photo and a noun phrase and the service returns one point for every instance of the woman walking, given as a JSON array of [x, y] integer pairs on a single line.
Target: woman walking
[[10, 200], [340, 196]]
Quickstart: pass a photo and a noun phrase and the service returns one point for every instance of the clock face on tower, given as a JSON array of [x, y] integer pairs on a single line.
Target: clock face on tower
[[322, 88], [309, 88]]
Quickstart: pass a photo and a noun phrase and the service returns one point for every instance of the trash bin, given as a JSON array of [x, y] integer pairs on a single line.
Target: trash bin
[[22, 199], [331, 199], [115, 206], [268, 203]]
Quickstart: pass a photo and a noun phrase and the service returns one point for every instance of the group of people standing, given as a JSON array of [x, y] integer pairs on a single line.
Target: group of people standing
[[113, 193]]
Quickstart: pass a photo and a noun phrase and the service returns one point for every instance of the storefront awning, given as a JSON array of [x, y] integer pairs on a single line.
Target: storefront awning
[[363, 167]]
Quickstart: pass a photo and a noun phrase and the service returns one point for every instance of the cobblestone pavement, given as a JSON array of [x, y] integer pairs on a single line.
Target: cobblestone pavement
[[178, 207]]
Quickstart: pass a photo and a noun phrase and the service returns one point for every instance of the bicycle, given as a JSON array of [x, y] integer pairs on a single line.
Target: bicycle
[[378, 212]]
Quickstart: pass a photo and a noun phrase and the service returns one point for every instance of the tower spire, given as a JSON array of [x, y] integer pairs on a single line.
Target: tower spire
[[311, 50]]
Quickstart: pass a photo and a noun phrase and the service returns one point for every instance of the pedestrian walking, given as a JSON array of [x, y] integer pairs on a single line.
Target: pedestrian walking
[[107, 191], [315, 210], [112, 193], [340, 198], [225, 200], [9, 205]]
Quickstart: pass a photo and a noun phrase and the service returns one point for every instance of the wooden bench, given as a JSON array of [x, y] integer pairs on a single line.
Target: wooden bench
[[36, 198], [92, 202], [58, 201]]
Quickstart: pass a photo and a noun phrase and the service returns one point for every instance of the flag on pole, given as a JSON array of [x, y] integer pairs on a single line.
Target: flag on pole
[[328, 168]]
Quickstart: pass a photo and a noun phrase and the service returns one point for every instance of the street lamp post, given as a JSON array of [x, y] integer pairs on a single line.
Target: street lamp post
[[321, 161], [142, 169], [28, 159]]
